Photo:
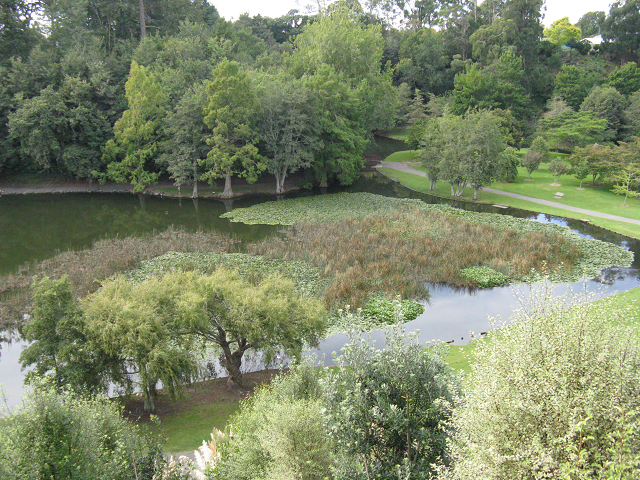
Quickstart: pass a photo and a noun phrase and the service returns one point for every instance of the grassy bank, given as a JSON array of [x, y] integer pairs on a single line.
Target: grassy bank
[[591, 198]]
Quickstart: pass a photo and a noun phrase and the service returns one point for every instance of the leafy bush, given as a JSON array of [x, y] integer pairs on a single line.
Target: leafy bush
[[63, 437], [387, 409], [562, 362], [484, 276], [279, 433]]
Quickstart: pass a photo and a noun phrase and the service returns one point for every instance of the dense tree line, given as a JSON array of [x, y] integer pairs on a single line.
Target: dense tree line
[[131, 91]]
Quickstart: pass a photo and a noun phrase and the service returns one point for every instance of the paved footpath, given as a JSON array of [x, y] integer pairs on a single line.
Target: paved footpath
[[407, 169]]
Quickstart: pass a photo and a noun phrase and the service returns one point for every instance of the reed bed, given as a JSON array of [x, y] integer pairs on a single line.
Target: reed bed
[[86, 268], [398, 252]]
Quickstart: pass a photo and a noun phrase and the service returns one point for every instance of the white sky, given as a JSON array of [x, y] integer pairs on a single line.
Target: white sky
[[556, 9]]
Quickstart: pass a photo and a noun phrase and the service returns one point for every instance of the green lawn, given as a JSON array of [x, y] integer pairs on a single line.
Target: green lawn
[[184, 431], [461, 356], [591, 198], [397, 133]]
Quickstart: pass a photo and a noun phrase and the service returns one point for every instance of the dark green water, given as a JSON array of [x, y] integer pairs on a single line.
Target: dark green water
[[34, 227]]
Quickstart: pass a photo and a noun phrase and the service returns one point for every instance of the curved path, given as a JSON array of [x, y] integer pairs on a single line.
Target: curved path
[[407, 169]]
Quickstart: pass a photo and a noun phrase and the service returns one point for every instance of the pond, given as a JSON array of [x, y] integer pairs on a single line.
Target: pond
[[34, 227]]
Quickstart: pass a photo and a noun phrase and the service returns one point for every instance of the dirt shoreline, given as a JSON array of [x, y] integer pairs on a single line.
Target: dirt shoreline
[[240, 189]]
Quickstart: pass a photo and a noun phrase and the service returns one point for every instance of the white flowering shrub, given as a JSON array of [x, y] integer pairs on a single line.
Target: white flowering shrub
[[545, 393]]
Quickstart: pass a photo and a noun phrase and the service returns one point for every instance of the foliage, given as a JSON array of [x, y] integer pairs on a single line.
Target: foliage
[[531, 161], [57, 435], [137, 131], [626, 78], [498, 85], [569, 84], [572, 129], [61, 131], [485, 277], [57, 346], [232, 110], [231, 313], [591, 23], [561, 31], [280, 432], [559, 361], [131, 324], [556, 168], [619, 31], [607, 103], [387, 409], [288, 127]]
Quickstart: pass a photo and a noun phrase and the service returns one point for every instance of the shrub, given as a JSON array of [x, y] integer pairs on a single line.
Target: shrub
[[63, 437], [561, 361], [387, 409], [279, 433]]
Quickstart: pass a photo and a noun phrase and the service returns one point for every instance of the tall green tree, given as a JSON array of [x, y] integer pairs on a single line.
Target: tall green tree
[[17, 35], [527, 17], [606, 102], [57, 342], [481, 163], [572, 129], [288, 127], [232, 112], [61, 131], [626, 78], [496, 86], [186, 147], [591, 23], [631, 116], [620, 30], [562, 31], [137, 132], [569, 84]]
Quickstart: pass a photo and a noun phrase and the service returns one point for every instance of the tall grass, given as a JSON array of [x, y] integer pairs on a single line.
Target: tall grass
[[86, 268], [399, 251]]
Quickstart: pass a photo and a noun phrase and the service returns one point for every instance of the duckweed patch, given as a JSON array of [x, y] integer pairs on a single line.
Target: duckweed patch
[[306, 277], [484, 277]]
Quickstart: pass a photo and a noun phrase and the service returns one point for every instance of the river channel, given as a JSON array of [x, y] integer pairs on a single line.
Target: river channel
[[34, 227]]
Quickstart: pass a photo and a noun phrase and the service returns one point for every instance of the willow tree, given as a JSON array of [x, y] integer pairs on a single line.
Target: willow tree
[[228, 311], [232, 112]]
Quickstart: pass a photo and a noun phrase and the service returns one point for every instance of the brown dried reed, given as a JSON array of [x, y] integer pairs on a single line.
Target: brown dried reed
[[399, 252], [86, 268]]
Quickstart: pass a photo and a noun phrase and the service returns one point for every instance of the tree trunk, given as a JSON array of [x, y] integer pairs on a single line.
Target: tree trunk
[[475, 192], [194, 194], [280, 182], [233, 361], [228, 192], [432, 185], [143, 23]]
